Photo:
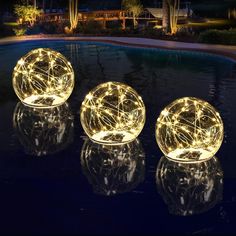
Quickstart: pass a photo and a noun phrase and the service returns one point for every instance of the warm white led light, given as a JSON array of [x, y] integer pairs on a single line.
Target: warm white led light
[[43, 131], [112, 113], [190, 189], [43, 78], [189, 130], [113, 169]]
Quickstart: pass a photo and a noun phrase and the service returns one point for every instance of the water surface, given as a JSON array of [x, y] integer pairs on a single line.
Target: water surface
[[53, 180]]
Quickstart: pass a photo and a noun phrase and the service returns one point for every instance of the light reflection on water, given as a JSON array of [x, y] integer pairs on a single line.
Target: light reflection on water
[[43, 131], [190, 189], [113, 169], [75, 170]]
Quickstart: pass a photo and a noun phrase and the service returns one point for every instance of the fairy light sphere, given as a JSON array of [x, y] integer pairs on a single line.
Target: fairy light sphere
[[43, 78], [189, 130], [112, 113]]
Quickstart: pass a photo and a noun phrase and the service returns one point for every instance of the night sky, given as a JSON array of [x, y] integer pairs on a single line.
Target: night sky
[[7, 5]]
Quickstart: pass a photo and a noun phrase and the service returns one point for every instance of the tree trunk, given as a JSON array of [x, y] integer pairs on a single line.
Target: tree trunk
[[135, 23], [166, 16], [35, 4], [43, 5], [73, 14], [174, 15], [123, 23]]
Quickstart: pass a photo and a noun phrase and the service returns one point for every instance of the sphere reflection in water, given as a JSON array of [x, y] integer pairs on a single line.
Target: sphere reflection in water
[[190, 189], [189, 130], [112, 113], [113, 169], [43, 78], [43, 131]]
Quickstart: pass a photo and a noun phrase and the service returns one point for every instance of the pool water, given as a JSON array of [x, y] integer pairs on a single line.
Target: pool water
[[54, 180]]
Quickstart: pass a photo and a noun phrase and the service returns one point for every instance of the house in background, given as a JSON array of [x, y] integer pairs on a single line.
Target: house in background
[[185, 10], [111, 10]]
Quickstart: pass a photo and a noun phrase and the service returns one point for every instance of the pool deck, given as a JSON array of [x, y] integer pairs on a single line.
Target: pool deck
[[225, 50]]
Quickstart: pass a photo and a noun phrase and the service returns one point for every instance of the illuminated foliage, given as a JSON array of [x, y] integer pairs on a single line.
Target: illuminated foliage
[[170, 9], [73, 14], [134, 7], [27, 13], [174, 14]]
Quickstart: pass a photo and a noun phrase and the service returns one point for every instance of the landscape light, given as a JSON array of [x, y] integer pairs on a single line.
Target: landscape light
[[43, 78], [112, 113], [189, 130]]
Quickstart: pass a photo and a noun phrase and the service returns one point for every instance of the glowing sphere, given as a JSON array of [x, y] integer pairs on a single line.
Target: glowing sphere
[[112, 113], [190, 188], [113, 169], [43, 78], [189, 130], [43, 131]]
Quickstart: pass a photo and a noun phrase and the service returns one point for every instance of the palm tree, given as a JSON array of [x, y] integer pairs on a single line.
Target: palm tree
[[73, 14], [174, 6], [165, 16], [134, 7], [170, 15]]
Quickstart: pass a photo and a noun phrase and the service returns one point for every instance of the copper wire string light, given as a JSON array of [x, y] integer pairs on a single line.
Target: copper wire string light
[[43, 78], [189, 130], [112, 113]]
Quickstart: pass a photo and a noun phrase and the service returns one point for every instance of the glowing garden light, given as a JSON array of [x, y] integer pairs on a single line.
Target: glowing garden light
[[43, 78], [112, 113], [113, 169], [189, 130]]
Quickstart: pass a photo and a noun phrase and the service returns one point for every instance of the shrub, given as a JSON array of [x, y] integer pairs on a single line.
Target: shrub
[[218, 37], [6, 29], [20, 31], [90, 27], [185, 32], [153, 32], [36, 29], [53, 27], [49, 28], [117, 32], [113, 25], [27, 13]]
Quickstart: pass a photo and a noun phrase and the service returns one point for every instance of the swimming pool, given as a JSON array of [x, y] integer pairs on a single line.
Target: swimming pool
[[49, 186]]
